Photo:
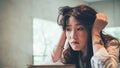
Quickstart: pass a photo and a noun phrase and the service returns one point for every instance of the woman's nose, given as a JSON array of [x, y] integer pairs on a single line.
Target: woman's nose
[[73, 34]]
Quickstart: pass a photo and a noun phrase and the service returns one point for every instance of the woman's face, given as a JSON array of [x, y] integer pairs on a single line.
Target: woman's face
[[76, 34]]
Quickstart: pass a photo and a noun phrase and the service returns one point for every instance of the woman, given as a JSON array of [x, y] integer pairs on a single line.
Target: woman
[[87, 46]]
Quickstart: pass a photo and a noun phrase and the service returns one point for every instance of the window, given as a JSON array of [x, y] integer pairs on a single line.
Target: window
[[45, 36], [114, 31]]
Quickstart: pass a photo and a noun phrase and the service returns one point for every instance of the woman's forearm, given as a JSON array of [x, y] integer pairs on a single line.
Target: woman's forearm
[[99, 24], [97, 42], [57, 52]]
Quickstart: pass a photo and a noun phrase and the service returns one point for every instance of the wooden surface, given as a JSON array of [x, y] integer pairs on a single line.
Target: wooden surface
[[51, 66]]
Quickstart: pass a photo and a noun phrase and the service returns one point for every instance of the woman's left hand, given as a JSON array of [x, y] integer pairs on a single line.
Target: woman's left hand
[[100, 22]]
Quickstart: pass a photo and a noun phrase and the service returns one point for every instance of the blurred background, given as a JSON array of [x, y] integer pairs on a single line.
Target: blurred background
[[28, 28]]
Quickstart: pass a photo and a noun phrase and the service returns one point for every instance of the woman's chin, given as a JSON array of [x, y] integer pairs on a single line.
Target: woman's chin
[[76, 49]]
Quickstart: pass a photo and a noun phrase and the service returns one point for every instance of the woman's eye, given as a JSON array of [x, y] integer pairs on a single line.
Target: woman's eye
[[68, 29], [80, 29]]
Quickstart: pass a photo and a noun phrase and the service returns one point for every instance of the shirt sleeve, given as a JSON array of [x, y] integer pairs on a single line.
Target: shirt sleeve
[[106, 57]]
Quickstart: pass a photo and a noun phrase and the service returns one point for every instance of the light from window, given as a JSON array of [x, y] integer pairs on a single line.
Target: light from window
[[45, 36], [114, 31]]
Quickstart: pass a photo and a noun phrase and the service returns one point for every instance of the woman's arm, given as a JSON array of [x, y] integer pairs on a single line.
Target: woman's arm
[[107, 58], [99, 25], [103, 57], [57, 52]]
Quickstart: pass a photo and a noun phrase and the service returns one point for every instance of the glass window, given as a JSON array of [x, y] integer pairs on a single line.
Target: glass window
[[114, 31], [45, 36]]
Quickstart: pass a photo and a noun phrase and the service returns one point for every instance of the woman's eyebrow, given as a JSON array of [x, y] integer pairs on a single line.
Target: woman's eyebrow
[[68, 25], [71, 25]]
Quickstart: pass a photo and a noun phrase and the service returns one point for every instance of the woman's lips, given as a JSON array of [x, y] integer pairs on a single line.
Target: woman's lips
[[74, 42]]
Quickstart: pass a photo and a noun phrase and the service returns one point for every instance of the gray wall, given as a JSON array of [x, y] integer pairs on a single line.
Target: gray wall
[[16, 43], [48, 9], [15, 33], [111, 9]]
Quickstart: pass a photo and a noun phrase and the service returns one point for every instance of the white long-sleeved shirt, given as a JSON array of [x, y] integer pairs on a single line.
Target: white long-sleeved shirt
[[106, 57]]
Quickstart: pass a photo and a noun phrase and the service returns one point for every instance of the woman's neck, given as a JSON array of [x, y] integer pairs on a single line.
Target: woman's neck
[[84, 52]]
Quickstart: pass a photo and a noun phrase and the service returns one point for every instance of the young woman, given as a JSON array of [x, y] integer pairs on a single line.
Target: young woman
[[87, 46]]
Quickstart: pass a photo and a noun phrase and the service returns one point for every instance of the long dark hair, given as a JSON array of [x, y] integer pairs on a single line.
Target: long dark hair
[[86, 16]]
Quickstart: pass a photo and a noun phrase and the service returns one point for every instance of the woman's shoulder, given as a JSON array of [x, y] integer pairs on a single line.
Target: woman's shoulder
[[110, 41]]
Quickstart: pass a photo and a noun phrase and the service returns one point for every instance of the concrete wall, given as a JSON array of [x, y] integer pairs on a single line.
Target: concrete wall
[[16, 43], [15, 33], [48, 9], [111, 9]]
